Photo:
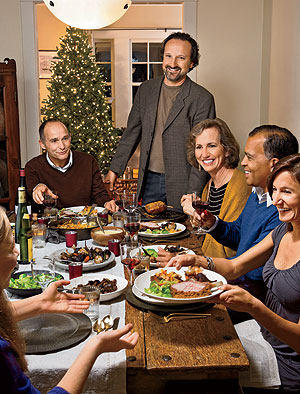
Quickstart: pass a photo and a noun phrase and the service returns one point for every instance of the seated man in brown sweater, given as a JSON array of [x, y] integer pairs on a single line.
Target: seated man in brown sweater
[[75, 176]]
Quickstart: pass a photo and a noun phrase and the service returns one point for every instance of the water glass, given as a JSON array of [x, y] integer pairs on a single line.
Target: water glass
[[130, 201], [118, 219], [92, 294], [143, 265], [39, 232]]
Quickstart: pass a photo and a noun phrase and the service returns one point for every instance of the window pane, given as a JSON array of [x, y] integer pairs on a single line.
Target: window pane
[[108, 91], [102, 51], [155, 70], [106, 69], [139, 72], [139, 52], [134, 90], [155, 52]]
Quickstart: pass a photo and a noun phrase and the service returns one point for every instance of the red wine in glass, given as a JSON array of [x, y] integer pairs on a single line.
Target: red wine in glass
[[119, 203], [132, 228], [130, 262], [200, 206]]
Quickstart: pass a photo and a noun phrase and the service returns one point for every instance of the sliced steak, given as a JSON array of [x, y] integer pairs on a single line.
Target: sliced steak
[[190, 289]]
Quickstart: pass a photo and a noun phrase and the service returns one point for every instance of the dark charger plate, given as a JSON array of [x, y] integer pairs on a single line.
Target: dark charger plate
[[50, 333], [194, 307], [169, 214], [27, 292]]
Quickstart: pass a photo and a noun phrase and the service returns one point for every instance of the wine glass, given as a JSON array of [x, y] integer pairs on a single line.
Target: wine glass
[[200, 206], [118, 197], [45, 274], [49, 202], [129, 257], [130, 202], [132, 224]]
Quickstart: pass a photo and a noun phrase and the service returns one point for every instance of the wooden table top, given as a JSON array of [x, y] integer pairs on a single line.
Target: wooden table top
[[201, 349]]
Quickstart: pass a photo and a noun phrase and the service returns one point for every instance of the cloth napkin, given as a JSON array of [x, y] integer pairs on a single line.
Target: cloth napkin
[[54, 237]]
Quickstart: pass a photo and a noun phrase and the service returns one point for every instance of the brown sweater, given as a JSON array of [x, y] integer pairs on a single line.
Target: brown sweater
[[81, 184]]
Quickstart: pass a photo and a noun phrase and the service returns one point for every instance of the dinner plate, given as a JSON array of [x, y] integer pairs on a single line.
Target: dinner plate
[[49, 333], [142, 282], [121, 284], [155, 247], [179, 226], [89, 266], [144, 297]]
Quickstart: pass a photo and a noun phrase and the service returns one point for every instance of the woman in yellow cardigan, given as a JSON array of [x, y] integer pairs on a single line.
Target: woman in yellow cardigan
[[213, 147]]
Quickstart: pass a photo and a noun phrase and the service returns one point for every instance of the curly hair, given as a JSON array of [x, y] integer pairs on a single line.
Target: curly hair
[[184, 37], [8, 327], [227, 140]]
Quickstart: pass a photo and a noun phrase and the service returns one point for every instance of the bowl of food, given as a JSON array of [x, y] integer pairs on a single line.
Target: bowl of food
[[81, 225], [110, 232], [110, 286], [23, 284]]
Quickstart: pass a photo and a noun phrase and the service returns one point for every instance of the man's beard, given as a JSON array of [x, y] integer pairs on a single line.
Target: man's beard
[[174, 78]]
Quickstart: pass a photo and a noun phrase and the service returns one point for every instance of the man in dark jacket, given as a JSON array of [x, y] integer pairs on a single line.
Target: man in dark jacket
[[164, 111]]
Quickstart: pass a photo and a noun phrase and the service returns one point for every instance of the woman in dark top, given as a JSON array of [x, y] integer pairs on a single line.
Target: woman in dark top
[[279, 317], [12, 360]]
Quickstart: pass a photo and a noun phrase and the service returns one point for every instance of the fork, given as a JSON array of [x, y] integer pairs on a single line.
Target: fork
[[183, 316]]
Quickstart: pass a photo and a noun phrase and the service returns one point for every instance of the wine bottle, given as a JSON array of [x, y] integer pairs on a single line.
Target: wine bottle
[[25, 240], [22, 208], [22, 183]]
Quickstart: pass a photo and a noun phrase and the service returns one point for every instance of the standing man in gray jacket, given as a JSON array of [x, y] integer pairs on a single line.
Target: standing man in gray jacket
[[164, 111]]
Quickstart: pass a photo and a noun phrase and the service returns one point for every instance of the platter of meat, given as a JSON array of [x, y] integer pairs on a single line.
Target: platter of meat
[[111, 286], [79, 211], [91, 258], [170, 286], [160, 230], [168, 214]]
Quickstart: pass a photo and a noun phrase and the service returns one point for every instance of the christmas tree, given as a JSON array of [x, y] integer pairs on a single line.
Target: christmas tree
[[77, 98]]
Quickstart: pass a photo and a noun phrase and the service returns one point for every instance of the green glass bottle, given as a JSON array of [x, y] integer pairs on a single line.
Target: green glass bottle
[[25, 240], [22, 208]]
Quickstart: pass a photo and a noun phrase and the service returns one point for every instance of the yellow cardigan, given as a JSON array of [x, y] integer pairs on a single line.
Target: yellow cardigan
[[235, 197]]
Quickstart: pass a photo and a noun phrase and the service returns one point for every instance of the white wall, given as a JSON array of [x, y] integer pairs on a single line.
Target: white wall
[[230, 41], [11, 46], [284, 101]]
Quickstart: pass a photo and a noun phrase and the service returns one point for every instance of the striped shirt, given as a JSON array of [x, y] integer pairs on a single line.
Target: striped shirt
[[216, 196]]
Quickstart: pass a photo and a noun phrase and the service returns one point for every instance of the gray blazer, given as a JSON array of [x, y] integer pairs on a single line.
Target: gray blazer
[[193, 104]]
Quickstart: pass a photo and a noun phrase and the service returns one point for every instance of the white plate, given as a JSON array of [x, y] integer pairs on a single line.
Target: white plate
[[79, 208], [90, 266], [179, 227], [142, 282], [155, 247], [121, 284]]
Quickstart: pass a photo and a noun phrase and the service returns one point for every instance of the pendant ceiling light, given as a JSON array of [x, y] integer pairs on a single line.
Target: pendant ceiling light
[[88, 14]]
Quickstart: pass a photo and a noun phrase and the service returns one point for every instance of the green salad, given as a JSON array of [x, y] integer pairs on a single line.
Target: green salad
[[25, 281], [151, 252], [161, 289]]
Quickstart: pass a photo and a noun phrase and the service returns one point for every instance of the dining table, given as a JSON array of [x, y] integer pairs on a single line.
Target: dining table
[[188, 356]]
